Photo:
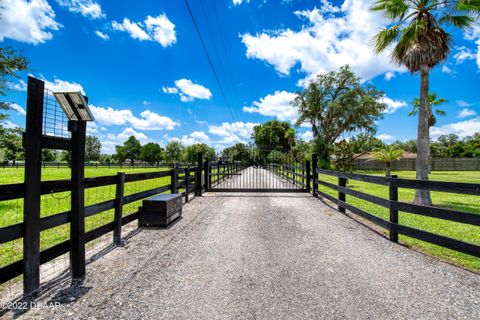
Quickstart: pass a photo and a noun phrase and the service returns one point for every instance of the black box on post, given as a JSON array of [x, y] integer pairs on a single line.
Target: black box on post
[[160, 210]]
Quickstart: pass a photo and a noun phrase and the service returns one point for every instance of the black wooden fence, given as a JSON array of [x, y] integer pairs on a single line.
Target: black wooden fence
[[184, 178], [394, 205]]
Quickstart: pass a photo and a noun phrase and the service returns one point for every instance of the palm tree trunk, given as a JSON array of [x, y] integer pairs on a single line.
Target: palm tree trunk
[[422, 197], [387, 169]]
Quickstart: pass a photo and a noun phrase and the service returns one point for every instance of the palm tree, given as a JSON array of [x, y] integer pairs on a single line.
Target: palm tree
[[387, 155], [419, 43], [432, 102]]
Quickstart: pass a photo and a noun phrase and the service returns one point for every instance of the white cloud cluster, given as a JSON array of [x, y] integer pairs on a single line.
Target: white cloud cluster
[[239, 2], [27, 21], [62, 85], [148, 120], [385, 137], [462, 103], [87, 8], [233, 132], [188, 91], [333, 37], [307, 136], [474, 35], [193, 138], [20, 86], [275, 105], [463, 54], [18, 109], [465, 113], [102, 35], [462, 128], [159, 29], [393, 105]]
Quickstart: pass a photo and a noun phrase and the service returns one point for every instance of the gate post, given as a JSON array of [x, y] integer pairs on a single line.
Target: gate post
[[33, 167], [187, 183], [173, 181], [119, 192], [314, 175], [342, 182], [77, 223], [307, 167], [198, 176], [393, 190]]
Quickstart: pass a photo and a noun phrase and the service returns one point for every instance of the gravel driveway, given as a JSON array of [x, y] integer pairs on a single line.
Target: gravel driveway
[[259, 256]]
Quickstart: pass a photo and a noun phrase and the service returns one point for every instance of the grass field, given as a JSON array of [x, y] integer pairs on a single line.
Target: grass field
[[11, 212], [460, 231]]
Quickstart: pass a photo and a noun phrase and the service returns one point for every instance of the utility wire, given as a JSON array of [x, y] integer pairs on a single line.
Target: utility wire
[[209, 59]]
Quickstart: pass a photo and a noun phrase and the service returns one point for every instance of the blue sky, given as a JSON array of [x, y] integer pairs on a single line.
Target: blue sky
[[145, 72]]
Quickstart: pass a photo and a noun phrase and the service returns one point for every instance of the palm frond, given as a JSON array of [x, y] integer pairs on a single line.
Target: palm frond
[[391, 9], [462, 22], [385, 38]]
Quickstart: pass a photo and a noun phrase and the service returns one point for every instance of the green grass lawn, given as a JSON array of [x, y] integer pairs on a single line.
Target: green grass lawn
[[460, 231], [11, 212]]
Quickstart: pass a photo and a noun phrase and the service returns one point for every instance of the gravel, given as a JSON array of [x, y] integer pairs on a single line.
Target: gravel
[[263, 256]]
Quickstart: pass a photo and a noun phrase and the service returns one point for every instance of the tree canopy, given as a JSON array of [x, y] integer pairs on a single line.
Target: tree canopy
[[336, 103], [152, 153], [273, 135], [129, 151], [174, 151], [93, 147]]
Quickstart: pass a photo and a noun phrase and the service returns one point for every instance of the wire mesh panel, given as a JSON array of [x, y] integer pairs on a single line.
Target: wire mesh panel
[[55, 123]]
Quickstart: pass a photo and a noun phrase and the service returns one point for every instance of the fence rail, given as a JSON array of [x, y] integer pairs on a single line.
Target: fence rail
[[395, 206], [140, 165], [436, 164], [179, 179]]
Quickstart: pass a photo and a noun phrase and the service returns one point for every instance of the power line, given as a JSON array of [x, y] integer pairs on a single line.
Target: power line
[[209, 59]]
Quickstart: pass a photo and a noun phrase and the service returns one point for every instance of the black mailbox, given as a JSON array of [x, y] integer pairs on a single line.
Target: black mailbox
[[161, 209]]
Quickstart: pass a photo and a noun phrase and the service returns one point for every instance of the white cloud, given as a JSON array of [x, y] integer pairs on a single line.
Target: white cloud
[[111, 140], [465, 113], [102, 35], [62, 85], [393, 105], [188, 90], [20, 86], [239, 2], [159, 29], [275, 105], [27, 21], [233, 132], [87, 8], [473, 34], [146, 103], [463, 54], [9, 125], [307, 136], [17, 108], [385, 137], [462, 128], [328, 40], [389, 75], [462, 103], [193, 138], [446, 69], [148, 120]]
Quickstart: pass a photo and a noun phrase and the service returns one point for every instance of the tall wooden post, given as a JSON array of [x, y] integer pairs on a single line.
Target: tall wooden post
[[77, 223], [308, 175], [187, 182], [119, 191], [33, 172], [198, 175], [393, 213], [342, 182], [173, 181], [314, 175]]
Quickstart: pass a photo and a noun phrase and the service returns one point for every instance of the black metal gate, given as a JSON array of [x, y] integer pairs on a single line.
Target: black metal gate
[[230, 174]]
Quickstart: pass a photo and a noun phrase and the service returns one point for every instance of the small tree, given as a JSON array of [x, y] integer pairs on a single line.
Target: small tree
[[48, 155], [129, 151], [151, 153], [191, 152], [174, 151], [344, 160], [387, 155], [275, 157], [11, 62], [92, 148]]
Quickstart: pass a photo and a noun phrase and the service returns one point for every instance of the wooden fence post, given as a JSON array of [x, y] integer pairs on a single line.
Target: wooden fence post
[[198, 175], [33, 171], [119, 191], [393, 213], [342, 182], [308, 175], [77, 221], [187, 182], [173, 181], [314, 175]]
